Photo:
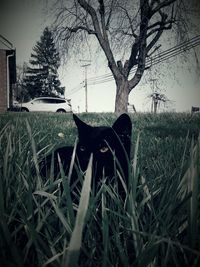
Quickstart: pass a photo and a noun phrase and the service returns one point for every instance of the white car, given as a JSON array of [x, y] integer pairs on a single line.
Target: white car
[[47, 104]]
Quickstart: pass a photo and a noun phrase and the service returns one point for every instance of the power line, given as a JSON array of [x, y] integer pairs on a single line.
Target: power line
[[176, 50], [75, 89], [5, 42], [163, 56]]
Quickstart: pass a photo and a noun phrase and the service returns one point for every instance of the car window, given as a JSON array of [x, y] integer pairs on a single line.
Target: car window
[[60, 101], [49, 101], [37, 101], [46, 101], [56, 101]]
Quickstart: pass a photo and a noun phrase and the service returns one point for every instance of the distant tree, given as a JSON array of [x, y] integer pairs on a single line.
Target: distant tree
[[41, 77], [20, 92], [157, 99]]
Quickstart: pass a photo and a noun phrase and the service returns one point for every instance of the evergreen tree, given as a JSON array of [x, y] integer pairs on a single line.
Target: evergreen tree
[[42, 77]]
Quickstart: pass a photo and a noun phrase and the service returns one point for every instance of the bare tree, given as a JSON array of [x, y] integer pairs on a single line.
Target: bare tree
[[157, 99], [127, 29]]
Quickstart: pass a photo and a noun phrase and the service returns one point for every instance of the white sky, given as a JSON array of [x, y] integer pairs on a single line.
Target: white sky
[[22, 23]]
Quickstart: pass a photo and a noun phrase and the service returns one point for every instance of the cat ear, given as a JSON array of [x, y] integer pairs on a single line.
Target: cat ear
[[82, 127], [123, 125]]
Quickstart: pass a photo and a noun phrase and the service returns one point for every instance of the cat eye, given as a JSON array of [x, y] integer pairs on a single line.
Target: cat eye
[[104, 149], [82, 148]]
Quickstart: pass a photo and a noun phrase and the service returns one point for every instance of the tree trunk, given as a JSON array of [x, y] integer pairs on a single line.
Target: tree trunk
[[121, 100]]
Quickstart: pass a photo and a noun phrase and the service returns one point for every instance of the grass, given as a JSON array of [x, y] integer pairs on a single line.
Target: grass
[[157, 225]]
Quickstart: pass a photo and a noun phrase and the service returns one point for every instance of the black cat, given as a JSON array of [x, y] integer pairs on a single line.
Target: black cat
[[110, 147]]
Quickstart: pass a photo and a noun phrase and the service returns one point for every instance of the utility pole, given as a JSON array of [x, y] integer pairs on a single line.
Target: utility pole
[[87, 63], [157, 98]]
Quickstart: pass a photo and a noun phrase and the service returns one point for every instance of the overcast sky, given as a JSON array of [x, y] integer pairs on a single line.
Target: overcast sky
[[22, 23]]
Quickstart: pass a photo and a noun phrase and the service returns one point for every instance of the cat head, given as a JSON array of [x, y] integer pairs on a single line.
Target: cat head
[[108, 144]]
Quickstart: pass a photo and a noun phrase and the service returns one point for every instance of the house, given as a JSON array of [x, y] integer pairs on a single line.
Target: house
[[195, 109], [7, 74]]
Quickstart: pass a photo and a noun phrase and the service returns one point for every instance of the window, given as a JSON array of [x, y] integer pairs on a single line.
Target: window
[[37, 101], [49, 101]]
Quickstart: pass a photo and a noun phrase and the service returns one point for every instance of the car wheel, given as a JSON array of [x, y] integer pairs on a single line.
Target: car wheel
[[24, 110], [61, 111]]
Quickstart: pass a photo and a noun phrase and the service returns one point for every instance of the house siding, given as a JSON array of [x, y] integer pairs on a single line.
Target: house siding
[[3, 81]]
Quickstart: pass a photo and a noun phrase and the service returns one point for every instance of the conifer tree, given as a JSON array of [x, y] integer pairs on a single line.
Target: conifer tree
[[42, 76]]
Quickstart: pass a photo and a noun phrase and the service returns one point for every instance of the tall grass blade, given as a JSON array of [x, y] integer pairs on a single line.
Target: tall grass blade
[[105, 230], [76, 239], [35, 158], [72, 161], [194, 187], [61, 216], [66, 187], [135, 159], [132, 210]]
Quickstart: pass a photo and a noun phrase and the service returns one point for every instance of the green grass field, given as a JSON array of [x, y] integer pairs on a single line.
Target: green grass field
[[157, 225]]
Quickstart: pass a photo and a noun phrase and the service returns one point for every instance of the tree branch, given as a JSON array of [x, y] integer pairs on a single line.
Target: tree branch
[[162, 27], [155, 49], [138, 50], [154, 41], [101, 8], [130, 22], [158, 28], [77, 28], [102, 15], [161, 5], [109, 16], [102, 38]]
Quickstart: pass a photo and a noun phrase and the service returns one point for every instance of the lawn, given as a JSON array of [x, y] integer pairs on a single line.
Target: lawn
[[157, 225]]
